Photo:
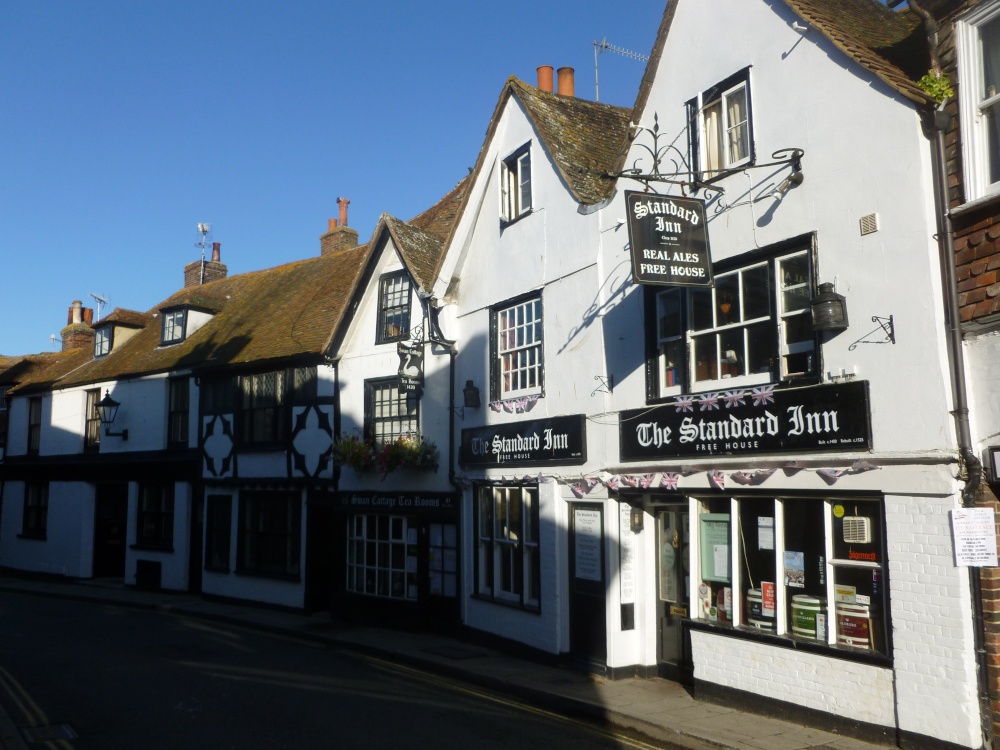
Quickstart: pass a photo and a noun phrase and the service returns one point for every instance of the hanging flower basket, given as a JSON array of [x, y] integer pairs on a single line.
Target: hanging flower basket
[[405, 452]]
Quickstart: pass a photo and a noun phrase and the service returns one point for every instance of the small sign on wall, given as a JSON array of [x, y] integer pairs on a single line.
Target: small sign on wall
[[975, 535]]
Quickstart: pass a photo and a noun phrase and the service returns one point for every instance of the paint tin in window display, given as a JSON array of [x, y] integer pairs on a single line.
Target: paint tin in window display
[[755, 611], [808, 616], [853, 625]]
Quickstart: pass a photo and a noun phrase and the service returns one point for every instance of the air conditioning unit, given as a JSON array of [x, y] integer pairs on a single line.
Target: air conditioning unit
[[857, 530]]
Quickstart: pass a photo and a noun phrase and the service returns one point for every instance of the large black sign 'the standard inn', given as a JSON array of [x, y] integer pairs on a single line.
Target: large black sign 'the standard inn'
[[559, 440], [669, 240], [750, 421]]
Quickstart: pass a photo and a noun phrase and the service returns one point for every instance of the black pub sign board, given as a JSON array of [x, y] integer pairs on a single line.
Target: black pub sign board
[[559, 440], [669, 240], [750, 421], [396, 502]]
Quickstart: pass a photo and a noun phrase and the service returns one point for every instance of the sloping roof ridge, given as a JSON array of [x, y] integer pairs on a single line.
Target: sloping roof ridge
[[574, 101]]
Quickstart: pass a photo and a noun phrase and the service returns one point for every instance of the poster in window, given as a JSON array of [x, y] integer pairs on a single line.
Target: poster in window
[[587, 528], [768, 599], [765, 532], [795, 569], [715, 553]]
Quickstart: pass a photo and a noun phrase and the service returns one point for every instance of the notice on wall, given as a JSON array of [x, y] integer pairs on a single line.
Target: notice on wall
[[975, 535], [587, 527], [626, 554]]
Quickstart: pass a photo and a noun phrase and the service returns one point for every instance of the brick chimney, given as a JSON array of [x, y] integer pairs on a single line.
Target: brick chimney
[[566, 86], [339, 237], [545, 78], [78, 333], [202, 272]]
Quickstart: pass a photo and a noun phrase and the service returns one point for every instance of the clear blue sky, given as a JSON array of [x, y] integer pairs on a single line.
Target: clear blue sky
[[124, 124]]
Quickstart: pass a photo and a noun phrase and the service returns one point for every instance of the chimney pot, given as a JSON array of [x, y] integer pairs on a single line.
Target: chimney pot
[[216, 252], [88, 316], [75, 313], [545, 77], [342, 202], [332, 225], [566, 86]]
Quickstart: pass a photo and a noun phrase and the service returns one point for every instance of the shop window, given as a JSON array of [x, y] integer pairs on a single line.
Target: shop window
[[382, 556], [515, 184], [270, 533], [391, 411], [155, 521], [753, 327], [92, 421], [173, 326], [763, 567], [508, 568], [516, 335], [978, 41], [34, 425], [393, 307], [218, 530], [102, 341], [720, 126], [262, 408], [178, 396], [35, 520], [443, 559]]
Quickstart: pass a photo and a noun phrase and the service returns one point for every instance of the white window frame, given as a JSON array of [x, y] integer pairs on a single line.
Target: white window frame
[[518, 356], [174, 323], [723, 135], [670, 359], [378, 562], [502, 547], [972, 108], [102, 341], [515, 185]]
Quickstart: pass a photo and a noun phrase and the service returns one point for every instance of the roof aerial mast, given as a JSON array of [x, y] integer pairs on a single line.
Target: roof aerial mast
[[605, 46]]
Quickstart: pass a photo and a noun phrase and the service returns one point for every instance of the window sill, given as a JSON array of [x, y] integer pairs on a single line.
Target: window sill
[[251, 573], [504, 223], [790, 642], [983, 201], [531, 609], [152, 547]]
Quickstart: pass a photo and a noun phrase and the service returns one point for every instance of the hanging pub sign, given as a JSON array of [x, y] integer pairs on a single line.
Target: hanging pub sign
[[411, 366], [750, 421], [669, 240], [559, 440]]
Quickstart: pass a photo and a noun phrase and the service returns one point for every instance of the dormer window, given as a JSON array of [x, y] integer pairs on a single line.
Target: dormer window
[[515, 184], [102, 341], [173, 326], [393, 308]]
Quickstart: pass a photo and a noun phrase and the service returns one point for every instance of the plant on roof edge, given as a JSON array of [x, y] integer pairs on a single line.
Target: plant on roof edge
[[937, 86]]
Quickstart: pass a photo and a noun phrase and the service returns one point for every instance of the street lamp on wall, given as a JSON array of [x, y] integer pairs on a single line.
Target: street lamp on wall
[[829, 309], [470, 395], [107, 410]]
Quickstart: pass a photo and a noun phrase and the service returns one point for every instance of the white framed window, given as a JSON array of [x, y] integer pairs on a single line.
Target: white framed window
[[515, 184], [393, 307], [720, 126], [391, 411], [379, 559], [173, 326], [508, 568], [102, 341], [753, 327], [978, 47], [517, 349]]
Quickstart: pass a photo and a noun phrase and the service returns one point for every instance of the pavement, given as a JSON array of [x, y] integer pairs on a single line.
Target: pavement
[[662, 710]]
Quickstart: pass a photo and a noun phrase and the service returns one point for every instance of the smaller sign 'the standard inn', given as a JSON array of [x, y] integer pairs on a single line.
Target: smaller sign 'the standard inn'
[[558, 440], [669, 240]]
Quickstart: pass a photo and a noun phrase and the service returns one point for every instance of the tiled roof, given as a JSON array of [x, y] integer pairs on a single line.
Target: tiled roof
[[584, 138], [123, 317], [421, 250], [43, 370], [892, 44], [278, 313]]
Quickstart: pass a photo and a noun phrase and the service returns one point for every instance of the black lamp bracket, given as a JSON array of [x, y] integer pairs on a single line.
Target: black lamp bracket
[[123, 434], [607, 384], [885, 326], [458, 411]]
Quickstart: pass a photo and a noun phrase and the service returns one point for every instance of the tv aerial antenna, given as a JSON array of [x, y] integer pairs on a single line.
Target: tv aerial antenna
[[605, 46], [204, 230], [100, 299]]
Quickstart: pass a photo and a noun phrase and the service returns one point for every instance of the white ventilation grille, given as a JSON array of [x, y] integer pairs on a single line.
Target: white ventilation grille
[[869, 224], [857, 530]]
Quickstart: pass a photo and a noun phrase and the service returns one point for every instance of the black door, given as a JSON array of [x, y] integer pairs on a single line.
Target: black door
[[587, 585], [439, 574], [195, 557], [321, 550], [110, 525]]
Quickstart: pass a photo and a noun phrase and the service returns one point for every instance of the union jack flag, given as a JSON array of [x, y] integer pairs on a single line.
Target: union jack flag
[[741, 477], [630, 481], [708, 402], [717, 479], [669, 481], [646, 480], [830, 476], [578, 489], [613, 483], [684, 403], [763, 395], [734, 398]]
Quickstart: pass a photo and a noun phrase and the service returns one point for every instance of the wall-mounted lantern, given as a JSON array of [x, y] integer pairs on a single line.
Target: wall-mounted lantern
[[829, 309], [107, 410], [470, 395], [635, 520]]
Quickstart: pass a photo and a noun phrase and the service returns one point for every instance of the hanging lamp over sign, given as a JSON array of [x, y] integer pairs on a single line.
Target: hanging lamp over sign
[[669, 240]]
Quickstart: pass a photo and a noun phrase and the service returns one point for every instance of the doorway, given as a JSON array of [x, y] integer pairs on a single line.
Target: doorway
[[673, 608], [588, 640], [110, 526]]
